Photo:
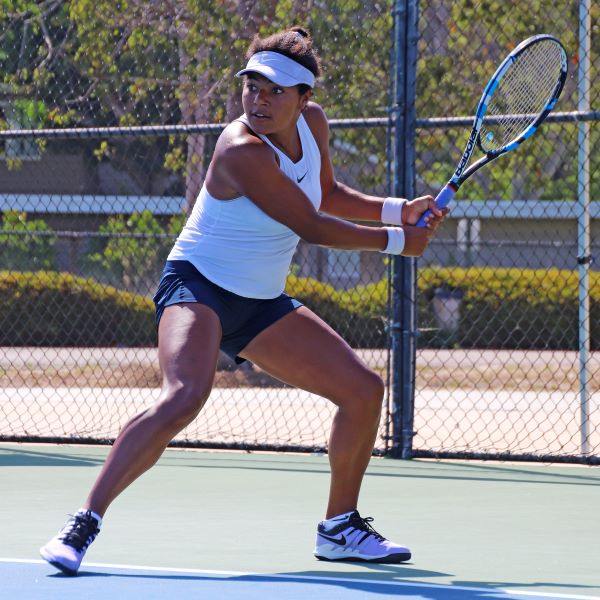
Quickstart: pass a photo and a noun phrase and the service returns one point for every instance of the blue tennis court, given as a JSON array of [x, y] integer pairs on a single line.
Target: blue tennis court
[[36, 581]]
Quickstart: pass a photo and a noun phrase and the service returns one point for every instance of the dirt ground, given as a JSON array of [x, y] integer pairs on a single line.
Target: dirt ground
[[436, 369]]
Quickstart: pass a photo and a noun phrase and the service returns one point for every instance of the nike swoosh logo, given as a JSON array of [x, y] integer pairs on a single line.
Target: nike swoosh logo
[[340, 541], [303, 176]]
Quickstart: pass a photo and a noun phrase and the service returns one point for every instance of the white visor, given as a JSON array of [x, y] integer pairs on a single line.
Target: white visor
[[279, 69]]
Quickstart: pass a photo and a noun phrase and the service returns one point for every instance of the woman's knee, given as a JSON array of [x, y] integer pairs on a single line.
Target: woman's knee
[[374, 392], [366, 397], [180, 404], [370, 387]]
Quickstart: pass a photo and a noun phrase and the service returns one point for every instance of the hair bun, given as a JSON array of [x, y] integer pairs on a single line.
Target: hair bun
[[294, 42], [301, 31]]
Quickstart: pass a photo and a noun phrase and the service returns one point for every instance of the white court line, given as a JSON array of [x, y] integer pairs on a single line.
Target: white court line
[[325, 579]]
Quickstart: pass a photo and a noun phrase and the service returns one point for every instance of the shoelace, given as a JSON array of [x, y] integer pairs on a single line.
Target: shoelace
[[364, 524], [79, 532]]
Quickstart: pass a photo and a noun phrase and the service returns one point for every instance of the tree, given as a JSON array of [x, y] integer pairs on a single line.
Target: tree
[[138, 62], [25, 245], [461, 46], [96, 63]]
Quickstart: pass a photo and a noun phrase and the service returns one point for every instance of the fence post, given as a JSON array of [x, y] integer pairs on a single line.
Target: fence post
[[583, 220], [403, 329]]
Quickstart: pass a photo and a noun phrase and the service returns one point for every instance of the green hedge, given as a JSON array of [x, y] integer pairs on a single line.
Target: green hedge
[[501, 308], [359, 314], [511, 308], [46, 308]]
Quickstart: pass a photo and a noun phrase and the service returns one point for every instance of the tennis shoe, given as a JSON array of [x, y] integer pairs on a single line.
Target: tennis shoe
[[66, 550], [354, 539]]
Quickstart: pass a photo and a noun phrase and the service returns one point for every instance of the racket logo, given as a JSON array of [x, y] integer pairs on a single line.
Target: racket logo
[[468, 151]]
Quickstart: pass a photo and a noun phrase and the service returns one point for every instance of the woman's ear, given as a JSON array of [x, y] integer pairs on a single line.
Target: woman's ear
[[305, 98]]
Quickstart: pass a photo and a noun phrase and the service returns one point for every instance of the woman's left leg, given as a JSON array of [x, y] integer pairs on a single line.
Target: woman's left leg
[[303, 351]]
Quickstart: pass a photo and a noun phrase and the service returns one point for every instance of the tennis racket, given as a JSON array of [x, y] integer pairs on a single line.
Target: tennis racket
[[520, 95]]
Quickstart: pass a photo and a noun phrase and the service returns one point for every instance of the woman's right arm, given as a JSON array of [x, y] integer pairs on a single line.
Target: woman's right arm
[[250, 168]]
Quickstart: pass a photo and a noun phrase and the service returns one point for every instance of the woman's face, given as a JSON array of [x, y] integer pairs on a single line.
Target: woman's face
[[271, 108]]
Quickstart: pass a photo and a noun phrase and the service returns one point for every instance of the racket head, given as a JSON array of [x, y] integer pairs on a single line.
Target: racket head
[[517, 99], [520, 94]]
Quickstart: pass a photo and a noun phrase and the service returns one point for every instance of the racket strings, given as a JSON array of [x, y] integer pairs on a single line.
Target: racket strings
[[522, 94]]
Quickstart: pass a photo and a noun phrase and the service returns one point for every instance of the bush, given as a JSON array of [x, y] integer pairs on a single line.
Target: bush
[[511, 308], [57, 309], [359, 314], [501, 308]]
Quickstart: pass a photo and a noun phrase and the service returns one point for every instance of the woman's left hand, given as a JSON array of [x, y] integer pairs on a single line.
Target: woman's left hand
[[414, 209]]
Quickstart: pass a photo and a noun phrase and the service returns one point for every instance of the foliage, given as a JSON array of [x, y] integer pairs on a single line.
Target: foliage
[[57, 309], [135, 249], [461, 45], [81, 63], [359, 315], [512, 308], [25, 244], [101, 63], [501, 308], [78, 62]]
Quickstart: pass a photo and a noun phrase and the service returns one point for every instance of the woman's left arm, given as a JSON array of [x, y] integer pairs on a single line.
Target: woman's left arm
[[340, 200]]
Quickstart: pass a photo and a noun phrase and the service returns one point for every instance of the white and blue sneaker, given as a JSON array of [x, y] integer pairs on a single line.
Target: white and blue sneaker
[[351, 537], [66, 550]]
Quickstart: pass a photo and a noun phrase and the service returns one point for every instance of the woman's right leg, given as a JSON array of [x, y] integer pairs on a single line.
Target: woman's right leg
[[189, 336]]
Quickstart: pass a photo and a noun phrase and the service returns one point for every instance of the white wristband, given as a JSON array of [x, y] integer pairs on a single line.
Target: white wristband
[[391, 211], [395, 243]]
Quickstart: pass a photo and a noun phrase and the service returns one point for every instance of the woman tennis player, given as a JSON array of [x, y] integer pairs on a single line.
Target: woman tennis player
[[269, 184]]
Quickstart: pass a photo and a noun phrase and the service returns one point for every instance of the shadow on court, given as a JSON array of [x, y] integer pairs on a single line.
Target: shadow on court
[[535, 478], [399, 583], [576, 477], [534, 585], [30, 458], [450, 471], [102, 583], [205, 521]]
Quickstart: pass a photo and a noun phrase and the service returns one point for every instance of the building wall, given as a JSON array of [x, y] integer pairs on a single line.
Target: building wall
[[53, 174]]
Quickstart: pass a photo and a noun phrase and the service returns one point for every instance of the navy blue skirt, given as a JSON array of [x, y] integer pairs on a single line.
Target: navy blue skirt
[[242, 319]]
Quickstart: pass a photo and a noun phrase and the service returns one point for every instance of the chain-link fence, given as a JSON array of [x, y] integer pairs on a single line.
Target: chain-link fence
[[119, 96], [508, 360], [108, 110]]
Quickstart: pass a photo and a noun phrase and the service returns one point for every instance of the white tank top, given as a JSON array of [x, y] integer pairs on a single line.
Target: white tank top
[[236, 245]]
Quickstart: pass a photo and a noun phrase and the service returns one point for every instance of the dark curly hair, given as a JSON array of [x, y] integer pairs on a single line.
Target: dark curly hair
[[295, 43]]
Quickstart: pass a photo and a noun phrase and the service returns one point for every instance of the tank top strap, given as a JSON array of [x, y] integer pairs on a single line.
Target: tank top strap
[[303, 131]]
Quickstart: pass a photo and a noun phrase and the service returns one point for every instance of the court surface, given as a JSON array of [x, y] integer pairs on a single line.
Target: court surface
[[241, 525]]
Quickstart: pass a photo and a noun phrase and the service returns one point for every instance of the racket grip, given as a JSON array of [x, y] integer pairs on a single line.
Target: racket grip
[[442, 200]]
